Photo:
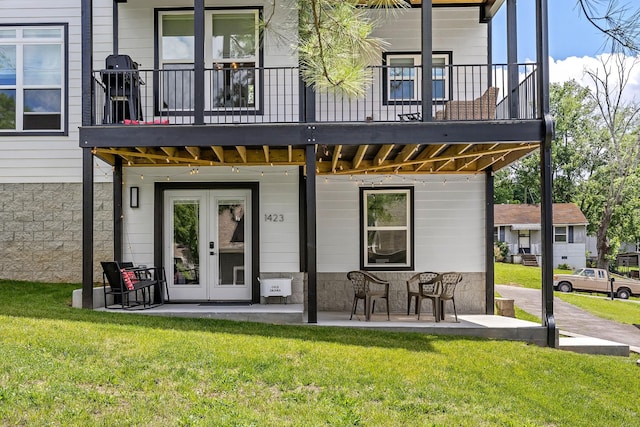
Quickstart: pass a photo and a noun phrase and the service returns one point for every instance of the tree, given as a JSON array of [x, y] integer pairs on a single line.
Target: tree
[[620, 22], [608, 189]]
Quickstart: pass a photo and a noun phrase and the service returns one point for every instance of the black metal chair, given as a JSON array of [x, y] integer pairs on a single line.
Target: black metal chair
[[363, 290], [448, 282], [122, 285]]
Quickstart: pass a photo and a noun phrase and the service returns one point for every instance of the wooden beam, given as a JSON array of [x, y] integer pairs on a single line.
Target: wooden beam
[[219, 152], [265, 148], [242, 150], [357, 159], [194, 151], [382, 154], [337, 154]]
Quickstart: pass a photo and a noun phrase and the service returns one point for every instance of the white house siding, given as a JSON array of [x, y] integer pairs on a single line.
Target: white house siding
[[572, 254], [40, 176], [449, 236]]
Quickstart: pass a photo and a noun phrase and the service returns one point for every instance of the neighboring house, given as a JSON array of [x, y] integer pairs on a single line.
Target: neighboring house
[[149, 155], [519, 226]]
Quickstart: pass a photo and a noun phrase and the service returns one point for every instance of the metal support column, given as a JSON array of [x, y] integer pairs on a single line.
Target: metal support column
[[87, 156], [198, 55], [312, 297], [512, 58], [117, 209], [427, 60], [546, 204], [489, 255]]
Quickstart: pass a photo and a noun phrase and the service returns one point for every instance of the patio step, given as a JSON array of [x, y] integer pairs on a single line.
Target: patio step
[[529, 260], [589, 345]]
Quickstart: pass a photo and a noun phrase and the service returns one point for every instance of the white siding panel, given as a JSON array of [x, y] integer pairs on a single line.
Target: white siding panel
[[449, 224], [279, 241], [50, 159]]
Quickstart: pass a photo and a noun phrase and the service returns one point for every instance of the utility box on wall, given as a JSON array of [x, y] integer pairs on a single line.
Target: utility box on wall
[[279, 287]]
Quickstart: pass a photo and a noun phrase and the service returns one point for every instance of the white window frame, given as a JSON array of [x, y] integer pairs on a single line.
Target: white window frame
[[209, 60], [445, 59], [366, 228], [20, 41], [558, 233]]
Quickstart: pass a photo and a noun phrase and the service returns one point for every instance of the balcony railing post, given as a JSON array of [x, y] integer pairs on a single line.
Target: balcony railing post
[[427, 60], [512, 59]]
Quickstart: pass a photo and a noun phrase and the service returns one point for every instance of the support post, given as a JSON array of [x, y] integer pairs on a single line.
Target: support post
[[546, 190], [198, 56], [312, 297], [489, 255], [87, 156], [512, 58], [427, 60], [117, 209]]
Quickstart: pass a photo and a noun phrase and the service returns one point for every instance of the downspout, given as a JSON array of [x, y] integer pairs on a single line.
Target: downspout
[[87, 155], [546, 184]]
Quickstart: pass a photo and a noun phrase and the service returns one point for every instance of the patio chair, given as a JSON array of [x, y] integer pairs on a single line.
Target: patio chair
[[482, 108], [448, 282], [363, 290], [122, 284], [420, 286]]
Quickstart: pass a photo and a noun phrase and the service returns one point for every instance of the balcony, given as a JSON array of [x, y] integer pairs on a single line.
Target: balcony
[[126, 95]]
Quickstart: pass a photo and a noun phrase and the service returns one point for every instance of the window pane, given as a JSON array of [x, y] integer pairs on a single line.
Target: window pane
[[234, 85], [177, 87], [387, 246], [42, 121], [438, 89], [42, 33], [7, 65], [234, 36], [186, 229], [41, 100], [7, 34], [177, 37], [42, 64], [402, 89], [7, 109], [387, 209]]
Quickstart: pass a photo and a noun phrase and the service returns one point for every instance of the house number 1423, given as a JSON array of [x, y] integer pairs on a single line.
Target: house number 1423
[[273, 217]]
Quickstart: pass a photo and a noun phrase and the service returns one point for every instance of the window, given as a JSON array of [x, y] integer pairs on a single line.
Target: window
[[387, 228], [403, 77], [560, 234], [32, 78], [231, 59]]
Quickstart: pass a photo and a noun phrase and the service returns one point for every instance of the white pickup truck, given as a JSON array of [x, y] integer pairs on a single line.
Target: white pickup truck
[[596, 280]]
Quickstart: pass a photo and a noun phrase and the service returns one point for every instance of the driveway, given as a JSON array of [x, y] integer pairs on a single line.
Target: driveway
[[571, 319]]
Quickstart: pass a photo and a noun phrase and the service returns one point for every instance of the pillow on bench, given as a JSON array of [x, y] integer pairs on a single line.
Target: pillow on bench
[[129, 278]]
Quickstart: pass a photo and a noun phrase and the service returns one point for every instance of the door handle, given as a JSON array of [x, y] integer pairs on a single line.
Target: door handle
[[212, 246]]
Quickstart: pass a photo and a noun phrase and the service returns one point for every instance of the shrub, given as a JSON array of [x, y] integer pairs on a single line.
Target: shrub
[[564, 266], [500, 251]]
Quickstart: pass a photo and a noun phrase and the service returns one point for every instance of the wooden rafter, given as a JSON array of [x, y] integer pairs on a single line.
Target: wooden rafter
[[194, 151], [243, 152], [337, 154], [265, 149], [382, 154], [357, 159], [219, 152]]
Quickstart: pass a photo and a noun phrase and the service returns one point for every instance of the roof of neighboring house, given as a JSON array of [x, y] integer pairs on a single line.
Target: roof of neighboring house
[[563, 214]]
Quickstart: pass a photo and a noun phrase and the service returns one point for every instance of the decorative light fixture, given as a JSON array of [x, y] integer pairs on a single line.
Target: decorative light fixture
[[134, 197]]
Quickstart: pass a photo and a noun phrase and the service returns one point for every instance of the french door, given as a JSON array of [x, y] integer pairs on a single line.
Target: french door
[[207, 244]]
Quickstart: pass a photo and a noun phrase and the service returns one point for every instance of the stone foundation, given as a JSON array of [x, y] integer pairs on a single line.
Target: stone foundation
[[335, 293], [41, 231]]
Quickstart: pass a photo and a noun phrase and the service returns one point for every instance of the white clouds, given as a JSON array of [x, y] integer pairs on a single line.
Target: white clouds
[[574, 68]]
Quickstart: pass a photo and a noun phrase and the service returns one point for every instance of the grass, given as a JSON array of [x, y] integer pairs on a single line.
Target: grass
[[65, 366], [617, 310], [530, 277]]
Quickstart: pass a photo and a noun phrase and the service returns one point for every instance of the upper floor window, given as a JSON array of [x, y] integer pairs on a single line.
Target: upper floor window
[[32, 78], [403, 77], [231, 59], [387, 228]]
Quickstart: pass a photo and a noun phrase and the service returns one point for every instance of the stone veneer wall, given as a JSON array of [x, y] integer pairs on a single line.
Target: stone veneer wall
[[41, 231], [335, 293]]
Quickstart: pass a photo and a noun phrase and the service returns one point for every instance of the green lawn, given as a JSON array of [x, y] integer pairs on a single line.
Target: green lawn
[[71, 367], [597, 304]]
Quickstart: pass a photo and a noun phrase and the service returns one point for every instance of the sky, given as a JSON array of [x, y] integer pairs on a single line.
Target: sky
[[573, 42]]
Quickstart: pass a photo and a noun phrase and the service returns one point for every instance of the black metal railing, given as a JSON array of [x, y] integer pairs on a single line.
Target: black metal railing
[[246, 94]]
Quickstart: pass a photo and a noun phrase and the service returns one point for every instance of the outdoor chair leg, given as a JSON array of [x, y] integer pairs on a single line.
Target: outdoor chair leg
[[353, 307]]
